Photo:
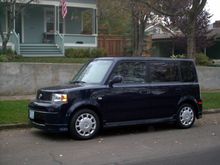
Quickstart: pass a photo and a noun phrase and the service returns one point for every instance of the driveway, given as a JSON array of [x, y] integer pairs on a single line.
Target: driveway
[[152, 144]]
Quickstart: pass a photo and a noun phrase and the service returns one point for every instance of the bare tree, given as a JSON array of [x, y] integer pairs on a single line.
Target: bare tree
[[189, 9], [141, 15], [12, 10]]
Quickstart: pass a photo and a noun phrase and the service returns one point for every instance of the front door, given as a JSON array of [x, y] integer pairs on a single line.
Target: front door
[[50, 28], [18, 26], [128, 100]]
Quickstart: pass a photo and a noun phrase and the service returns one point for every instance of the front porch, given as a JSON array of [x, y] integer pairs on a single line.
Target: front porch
[[41, 24]]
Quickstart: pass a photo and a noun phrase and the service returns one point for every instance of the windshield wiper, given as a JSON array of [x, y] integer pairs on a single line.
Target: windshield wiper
[[77, 82]]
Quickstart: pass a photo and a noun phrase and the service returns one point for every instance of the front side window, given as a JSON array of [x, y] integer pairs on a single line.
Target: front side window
[[94, 72], [163, 71], [131, 72]]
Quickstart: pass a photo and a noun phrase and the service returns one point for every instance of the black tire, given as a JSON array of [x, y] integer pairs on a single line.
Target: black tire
[[185, 116], [84, 124]]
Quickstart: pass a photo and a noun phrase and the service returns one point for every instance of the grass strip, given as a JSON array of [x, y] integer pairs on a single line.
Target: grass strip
[[211, 100], [12, 112]]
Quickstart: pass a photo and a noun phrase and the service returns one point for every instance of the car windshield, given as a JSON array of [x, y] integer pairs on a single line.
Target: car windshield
[[94, 72]]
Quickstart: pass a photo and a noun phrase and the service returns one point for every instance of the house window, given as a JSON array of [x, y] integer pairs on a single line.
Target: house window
[[49, 21], [87, 21]]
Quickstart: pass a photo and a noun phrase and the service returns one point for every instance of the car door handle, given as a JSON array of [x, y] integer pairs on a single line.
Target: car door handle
[[147, 91], [178, 91]]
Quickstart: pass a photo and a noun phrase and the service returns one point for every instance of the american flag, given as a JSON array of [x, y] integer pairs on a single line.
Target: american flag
[[64, 8]]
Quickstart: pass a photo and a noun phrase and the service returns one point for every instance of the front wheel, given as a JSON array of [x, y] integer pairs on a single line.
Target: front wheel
[[186, 116], [84, 125]]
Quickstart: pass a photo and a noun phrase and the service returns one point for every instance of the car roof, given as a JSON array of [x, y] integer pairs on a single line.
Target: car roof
[[143, 58]]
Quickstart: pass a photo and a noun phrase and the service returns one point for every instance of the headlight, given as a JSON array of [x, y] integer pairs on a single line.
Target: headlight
[[59, 97]]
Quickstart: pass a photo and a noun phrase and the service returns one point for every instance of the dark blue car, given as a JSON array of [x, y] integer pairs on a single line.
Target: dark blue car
[[122, 91]]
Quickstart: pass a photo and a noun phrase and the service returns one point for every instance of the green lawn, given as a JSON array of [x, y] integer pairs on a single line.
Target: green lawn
[[211, 100], [17, 112], [13, 112]]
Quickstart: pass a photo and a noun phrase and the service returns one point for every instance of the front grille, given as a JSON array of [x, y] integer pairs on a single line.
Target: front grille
[[39, 118], [46, 96]]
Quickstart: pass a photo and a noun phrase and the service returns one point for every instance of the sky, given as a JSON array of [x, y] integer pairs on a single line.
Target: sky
[[213, 6]]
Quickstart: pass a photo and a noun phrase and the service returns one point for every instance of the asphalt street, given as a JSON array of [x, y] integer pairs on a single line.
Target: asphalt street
[[140, 145]]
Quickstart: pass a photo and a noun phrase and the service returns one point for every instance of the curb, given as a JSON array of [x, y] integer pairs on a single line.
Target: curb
[[14, 126], [19, 125], [211, 111]]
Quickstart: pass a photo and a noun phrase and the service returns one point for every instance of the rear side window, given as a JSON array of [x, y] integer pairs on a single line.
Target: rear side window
[[188, 72], [163, 71]]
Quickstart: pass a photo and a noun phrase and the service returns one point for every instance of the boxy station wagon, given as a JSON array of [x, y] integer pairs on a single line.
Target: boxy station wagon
[[123, 91]]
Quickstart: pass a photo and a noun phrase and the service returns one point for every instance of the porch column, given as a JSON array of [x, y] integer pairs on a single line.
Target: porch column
[[55, 19], [14, 16], [58, 19]]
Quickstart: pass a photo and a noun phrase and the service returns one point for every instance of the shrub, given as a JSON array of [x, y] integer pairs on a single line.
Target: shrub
[[178, 56], [202, 59], [3, 58], [85, 53], [7, 56]]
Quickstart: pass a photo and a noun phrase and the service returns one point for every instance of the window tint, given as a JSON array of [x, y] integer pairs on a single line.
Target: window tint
[[188, 71], [132, 72], [161, 71]]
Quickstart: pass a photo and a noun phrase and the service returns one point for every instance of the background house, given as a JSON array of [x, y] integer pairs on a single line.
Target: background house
[[165, 41], [40, 30], [214, 51]]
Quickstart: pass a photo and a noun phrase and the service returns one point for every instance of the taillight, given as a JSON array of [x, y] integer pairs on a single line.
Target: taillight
[[199, 102]]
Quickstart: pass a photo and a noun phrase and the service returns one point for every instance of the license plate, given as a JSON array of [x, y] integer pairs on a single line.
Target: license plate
[[31, 114]]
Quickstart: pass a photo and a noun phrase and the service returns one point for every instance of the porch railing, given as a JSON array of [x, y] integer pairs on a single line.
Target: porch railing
[[81, 39], [15, 39], [59, 40]]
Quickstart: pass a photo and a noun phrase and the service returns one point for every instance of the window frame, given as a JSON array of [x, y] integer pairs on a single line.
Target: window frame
[[132, 83], [174, 63]]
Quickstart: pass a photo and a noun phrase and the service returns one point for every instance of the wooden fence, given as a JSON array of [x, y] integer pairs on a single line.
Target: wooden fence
[[114, 45]]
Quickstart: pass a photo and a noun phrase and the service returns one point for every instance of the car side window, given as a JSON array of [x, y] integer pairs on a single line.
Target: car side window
[[131, 72], [161, 71], [188, 71]]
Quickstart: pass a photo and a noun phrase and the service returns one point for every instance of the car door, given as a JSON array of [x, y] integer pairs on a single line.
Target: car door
[[165, 88], [128, 100]]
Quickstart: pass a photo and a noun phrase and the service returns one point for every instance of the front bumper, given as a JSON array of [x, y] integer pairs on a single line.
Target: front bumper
[[48, 117]]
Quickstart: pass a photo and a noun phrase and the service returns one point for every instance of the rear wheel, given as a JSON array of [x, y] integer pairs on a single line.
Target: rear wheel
[[186, 116], [84, 124]]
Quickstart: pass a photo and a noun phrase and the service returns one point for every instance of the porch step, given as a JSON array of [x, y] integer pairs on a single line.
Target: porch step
[[40, 50]]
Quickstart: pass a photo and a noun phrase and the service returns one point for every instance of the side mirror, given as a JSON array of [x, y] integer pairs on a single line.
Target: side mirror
[[116, 79]]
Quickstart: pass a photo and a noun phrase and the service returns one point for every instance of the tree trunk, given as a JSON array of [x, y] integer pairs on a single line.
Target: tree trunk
[[4, 46], [141, 43], [191, 42]]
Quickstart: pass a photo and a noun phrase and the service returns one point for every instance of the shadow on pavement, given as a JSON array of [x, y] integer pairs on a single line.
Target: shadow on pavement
[[108, 132]]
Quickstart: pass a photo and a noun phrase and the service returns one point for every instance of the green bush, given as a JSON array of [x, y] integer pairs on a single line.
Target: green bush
[[85, 53], [178, 56], [7, 56], [202, 59], [3, 58]]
